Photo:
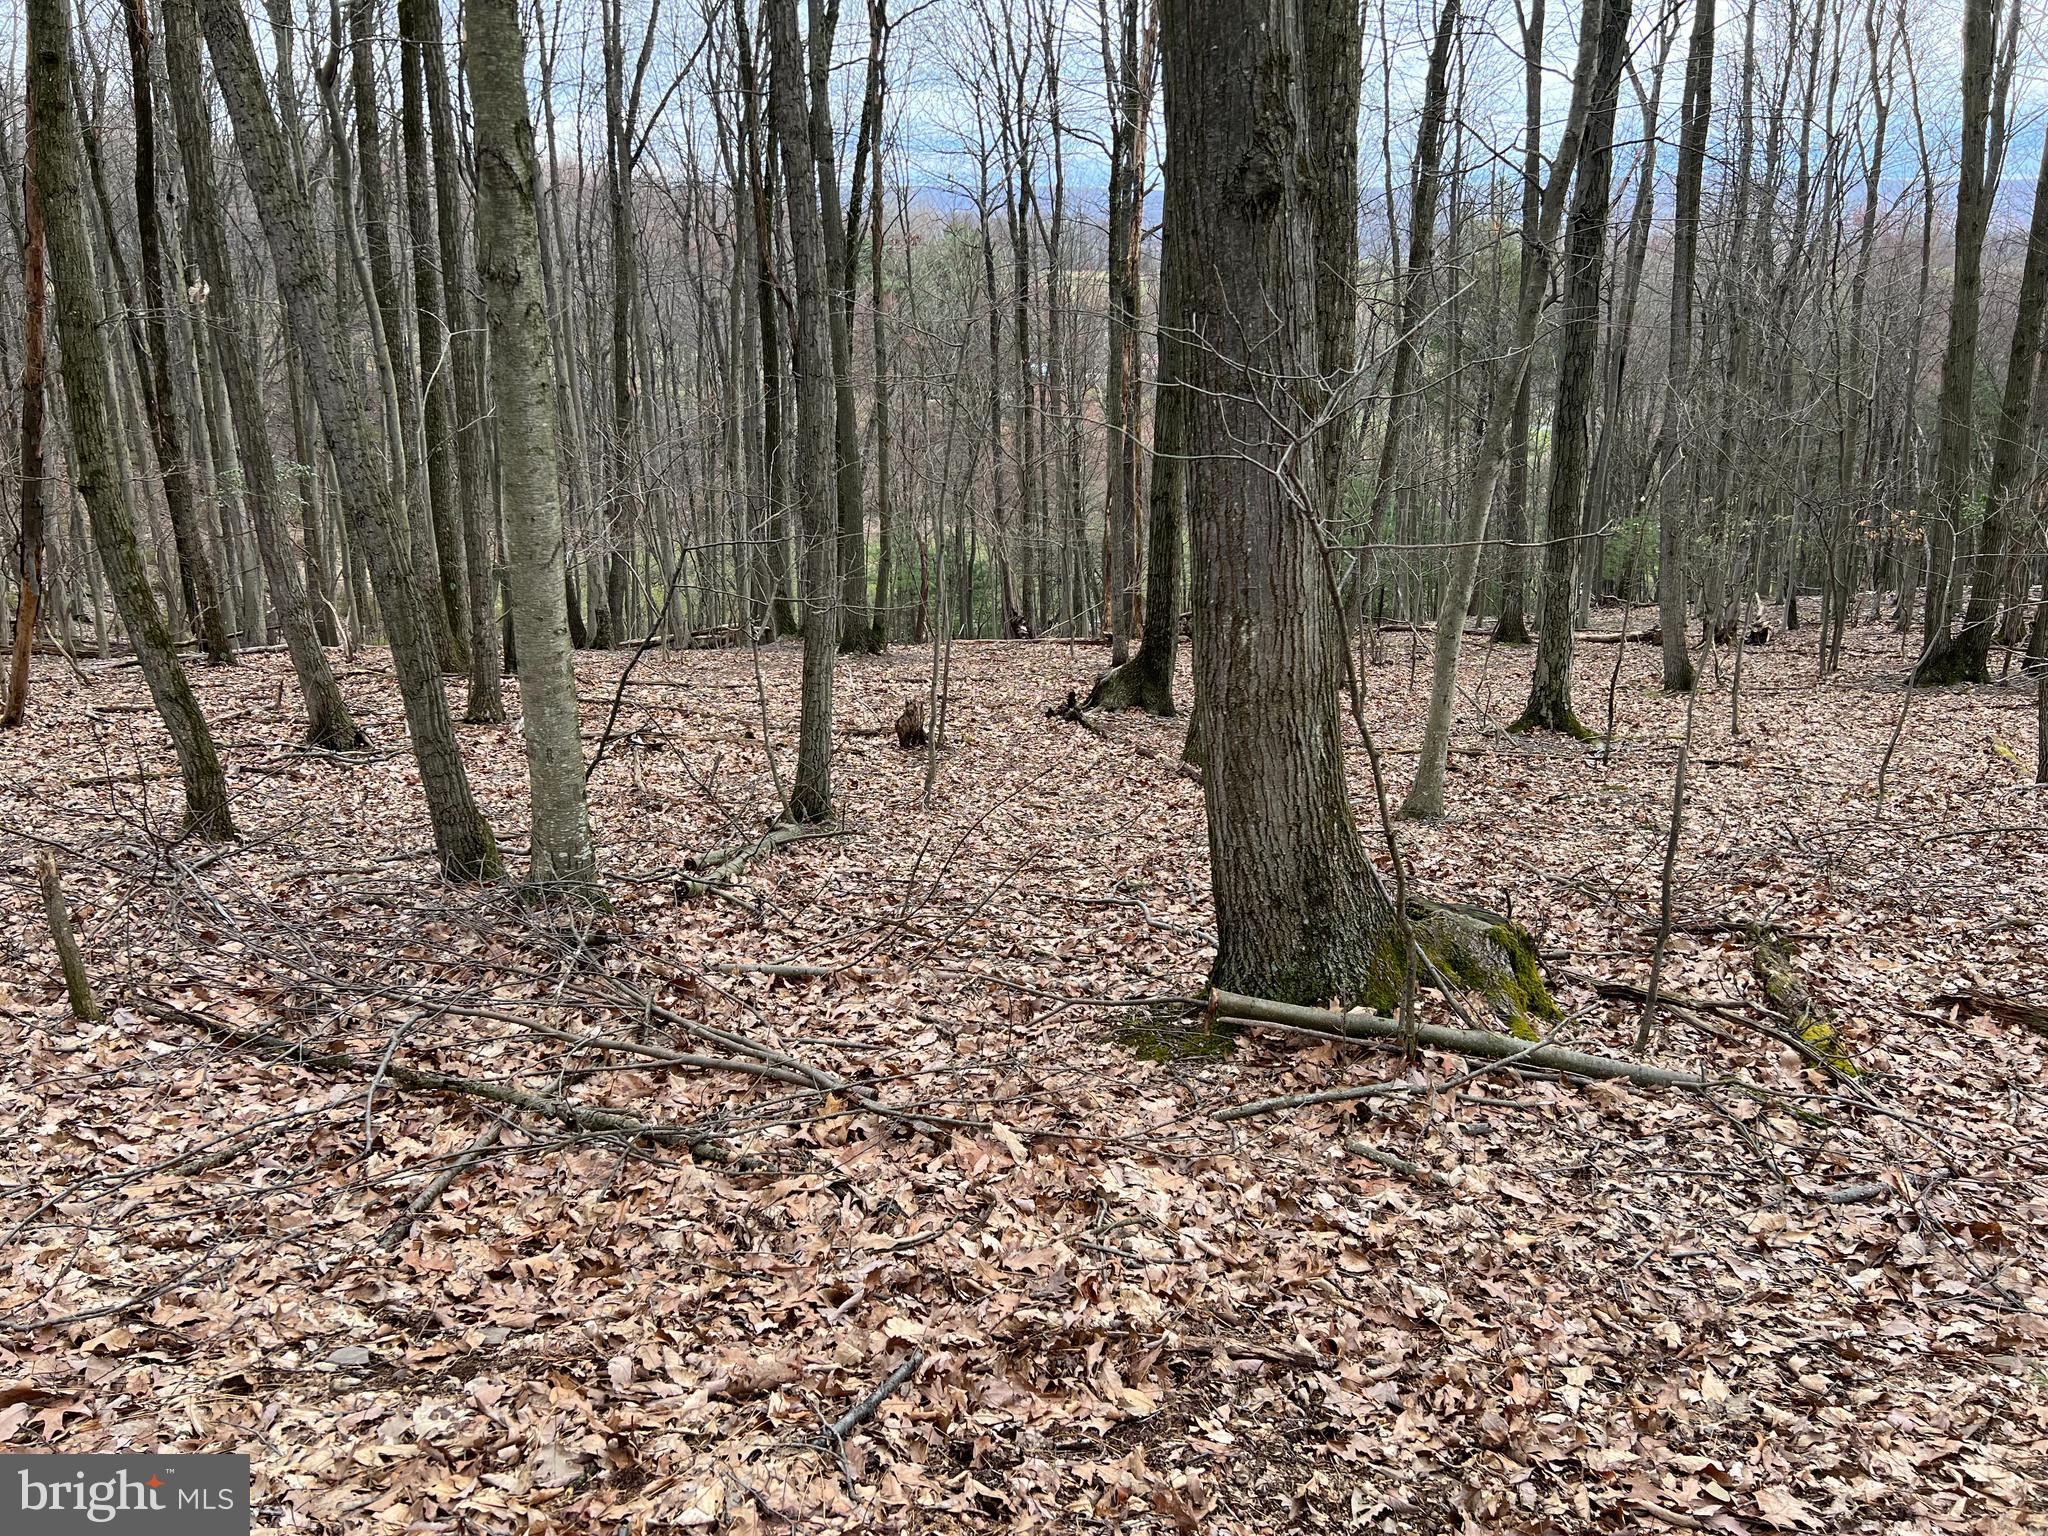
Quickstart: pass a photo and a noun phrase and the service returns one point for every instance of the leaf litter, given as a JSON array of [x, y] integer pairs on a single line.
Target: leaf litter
[[1808, 1301]]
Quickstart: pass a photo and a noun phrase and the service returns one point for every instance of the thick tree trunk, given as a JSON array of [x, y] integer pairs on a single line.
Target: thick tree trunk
[[1300, 913], [508, 242], [55, 157], [461, 835]]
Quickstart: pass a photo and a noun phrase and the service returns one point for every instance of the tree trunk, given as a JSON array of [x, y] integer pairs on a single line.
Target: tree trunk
[[1943, 660], [1146, 680], [420, 23], [2009, 446], [508, 242], [1300, 914], [33, 282], [811, 796], [437, 389], [1512, 626], [328, 721], [1550, 690], [55, 157], [1694, 118], [461, 835], [167, 427], [1425, 798]]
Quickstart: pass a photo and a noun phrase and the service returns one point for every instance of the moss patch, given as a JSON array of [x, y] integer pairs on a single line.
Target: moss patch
[[1167, 1034]]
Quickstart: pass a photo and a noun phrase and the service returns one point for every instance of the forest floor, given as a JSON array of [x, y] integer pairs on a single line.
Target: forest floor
[[1804, 1301]]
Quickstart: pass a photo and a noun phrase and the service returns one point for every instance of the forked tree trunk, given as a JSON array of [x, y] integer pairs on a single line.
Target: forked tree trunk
[[461, 835], [508, 244], [55, 156]]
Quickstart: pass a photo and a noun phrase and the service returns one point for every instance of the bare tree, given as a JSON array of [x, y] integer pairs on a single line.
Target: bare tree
[[55, 156]]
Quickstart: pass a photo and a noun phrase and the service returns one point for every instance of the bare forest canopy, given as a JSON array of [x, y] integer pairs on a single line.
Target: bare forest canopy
[[1201, 765]]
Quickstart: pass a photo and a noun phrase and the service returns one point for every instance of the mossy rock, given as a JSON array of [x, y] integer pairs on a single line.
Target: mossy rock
[[1484, 953]]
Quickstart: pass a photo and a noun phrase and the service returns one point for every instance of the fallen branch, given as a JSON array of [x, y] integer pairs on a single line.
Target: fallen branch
[[1853, 1194], [339, 1063], [422, 1202], [1396, 1164], [1303, 1100], [1359, 1024], [1732, 1009], [715, 871], [867, 1407], [2006, 1010]]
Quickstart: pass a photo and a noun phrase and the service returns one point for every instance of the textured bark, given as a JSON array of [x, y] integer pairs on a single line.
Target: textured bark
[[508, 243], [1300, 915], [811, 795], [55, 156], [1127, 72], [328, 720], [461, 835], [1550, 690]]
